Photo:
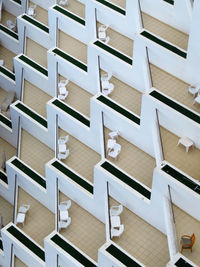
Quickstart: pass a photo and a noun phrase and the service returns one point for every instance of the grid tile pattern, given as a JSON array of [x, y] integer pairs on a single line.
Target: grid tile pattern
[[188, 162], [133, 160], [173, 87], [72, 46], [85, 231], [7, 56], [36, 52], [35, 98], [76, 7], [8, 148], [6, 211], [34, 153], [187, 225], [165, 31], [39, 221], [41, 14], [18, 263], [81, 158], [78, 98]]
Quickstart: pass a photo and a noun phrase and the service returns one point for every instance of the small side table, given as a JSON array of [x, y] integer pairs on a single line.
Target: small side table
[[186, 142]]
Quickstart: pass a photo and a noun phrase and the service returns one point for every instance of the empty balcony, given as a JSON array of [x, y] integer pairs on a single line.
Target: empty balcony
[[41, 14], [81, 158], [6, 211], [76, 7], [187, 225], [119, 3], [18, 262], [39, 221], [9, 150], [132, 160], [165, 31], [35, 98], [34, 153], [72, 46], [187, 162], [85, 231], [141, 240], [173, 87], [7, 57]]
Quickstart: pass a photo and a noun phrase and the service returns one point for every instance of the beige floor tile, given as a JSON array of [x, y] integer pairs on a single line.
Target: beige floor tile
[[7, 56], [39, 221], [176, 155], [41, 14], [36, 52], [18, 263], [81, 158], [72, 46], [120, 3], [133, 160], [165, 31], [173, 87], [76, 7], [85, 231], [6, 211], [7, 16], [78, 98], [3, 94], [187, 225], [9, 150], [34, 153], [35, 98]]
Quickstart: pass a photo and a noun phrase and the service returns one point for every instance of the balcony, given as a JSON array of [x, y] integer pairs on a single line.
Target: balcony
[[165, 31], [120, 3], [6, 211], [35, 98], [81, 158], [141, 240], [85, 231], [34, 153], [173, 87], [187, 225], [133, 160], [114, 5], [5, 15], [10, 151], [39, 221], [7, 56], [18, 262], [36, 52], [72, 46], [4, 115], [41, 14], [78, 98], [76, 7]]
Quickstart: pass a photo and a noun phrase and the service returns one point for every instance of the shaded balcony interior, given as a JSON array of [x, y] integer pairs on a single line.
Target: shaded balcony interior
[[7, 57], [85, 231], [78, 98], [132, 160], [39, 221], [141, 240], [6, 211], [18, 262], [187, 225], [34, 153], [187, 162], [173, 87], [75, 7], [3, 96], [125, 95], [35, 98], [72, 46], [5, 15], [41, 14], [119, 3], [165, 31], [9, 150], [81, 158], [118, 41], [36, 52]]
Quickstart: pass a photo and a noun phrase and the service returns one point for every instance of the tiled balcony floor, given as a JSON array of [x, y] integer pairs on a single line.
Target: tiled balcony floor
[[119, 41], [36, 52], [39, 221], [165, 31], [141, 240], [7, 56], [120, 3], [85, 231], [187, 225], [76, 7], [5, 15], [72, 46], [41, 14], [133, 160], [78, 98], [35, 98], [9, 150], [173, 87], [18, 263], [176, 155], [81, 158], [6, 211], [35, 153]]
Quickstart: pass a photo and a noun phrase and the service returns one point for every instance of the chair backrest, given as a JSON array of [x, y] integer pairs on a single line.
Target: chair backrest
[[193, 238], [107, 39]]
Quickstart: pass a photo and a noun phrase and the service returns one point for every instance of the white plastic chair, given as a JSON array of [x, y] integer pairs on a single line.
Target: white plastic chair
[[193, 90], [63, 2], [22, 214], [31, 11], [63, 93], [65, 205], [63, 140], [107, 90], [116, 210], [63, 224], [63, 155], [115, 152], [11, 25], [117, 232], [107, 76], [24, 208], [103, 28], [114, 134], [63, 83], [1, 62], [197, 99], [107, 39]]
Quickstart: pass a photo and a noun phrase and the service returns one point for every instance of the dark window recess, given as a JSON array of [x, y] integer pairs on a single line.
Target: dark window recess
[[1, 244], [126, 179], [34, 65], [171, 2], [8, 31], [69, 14], [181, 178], [77, 179], [36, 23], [114, 7], [3, 177], [26, 242], [168, 46], [175, 106], [6, 121], [119, 109], [72, 251], [8, 73], [182, 263], [17, 1], [120, 256]]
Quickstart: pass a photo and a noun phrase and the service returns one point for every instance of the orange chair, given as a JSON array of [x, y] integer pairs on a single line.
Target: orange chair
[[187, 242]]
